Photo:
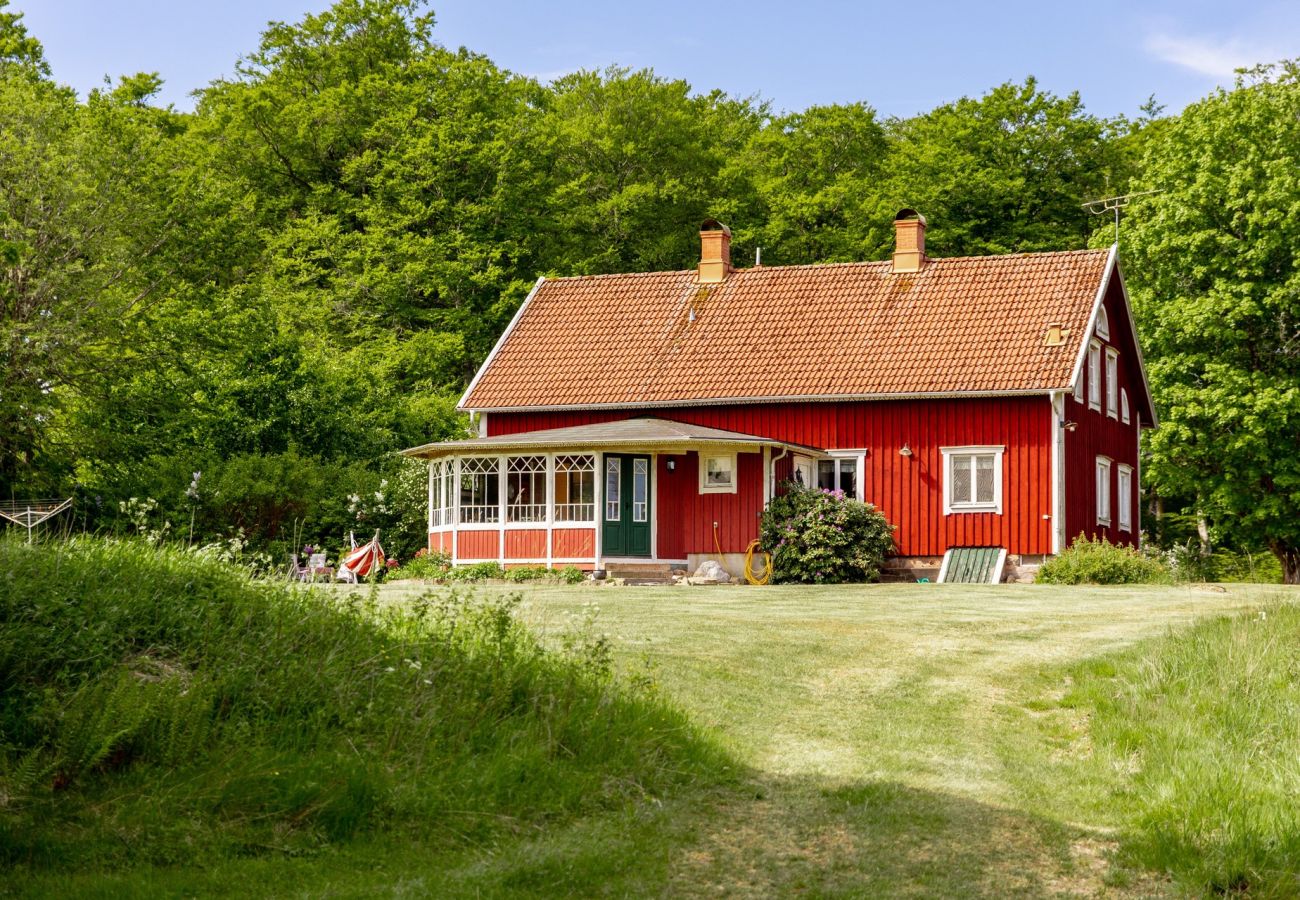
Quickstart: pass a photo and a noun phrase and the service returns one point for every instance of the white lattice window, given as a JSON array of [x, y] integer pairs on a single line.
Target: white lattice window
[[575, 488], [480, 490], [1124, 489], [1094, 375], [972, 479], [526, 489], [640, 490], [613, 482], [1103, 490], [1112, 382], [441, 475]]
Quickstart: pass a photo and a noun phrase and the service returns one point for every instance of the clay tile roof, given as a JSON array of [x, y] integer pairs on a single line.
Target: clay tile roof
[[960, 325]]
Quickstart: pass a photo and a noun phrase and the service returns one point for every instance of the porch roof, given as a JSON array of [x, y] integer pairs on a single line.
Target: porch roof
[[630, 434]]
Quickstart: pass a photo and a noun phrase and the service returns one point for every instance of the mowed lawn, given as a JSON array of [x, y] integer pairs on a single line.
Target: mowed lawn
[[895, 740]]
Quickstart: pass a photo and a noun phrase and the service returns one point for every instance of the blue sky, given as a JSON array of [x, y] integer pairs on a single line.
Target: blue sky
[[900, 58]]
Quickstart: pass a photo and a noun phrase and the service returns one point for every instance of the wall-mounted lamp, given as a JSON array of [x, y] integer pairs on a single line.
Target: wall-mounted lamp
[[1069, 426], [906, 451], [672, 465]]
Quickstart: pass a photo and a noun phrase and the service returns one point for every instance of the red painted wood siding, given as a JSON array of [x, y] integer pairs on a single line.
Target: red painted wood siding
[[478, 545], [440, 541], [573, 543], [907, 490], [1099, 435], [526, 543]]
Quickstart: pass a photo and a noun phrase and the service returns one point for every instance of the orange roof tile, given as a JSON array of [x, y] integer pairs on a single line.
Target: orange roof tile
[[960, 325]]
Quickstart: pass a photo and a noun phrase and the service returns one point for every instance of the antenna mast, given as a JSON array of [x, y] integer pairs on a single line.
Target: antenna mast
[[1114, 204]]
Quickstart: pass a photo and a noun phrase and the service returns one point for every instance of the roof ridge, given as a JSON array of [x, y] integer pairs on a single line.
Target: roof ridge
[[861, 263]]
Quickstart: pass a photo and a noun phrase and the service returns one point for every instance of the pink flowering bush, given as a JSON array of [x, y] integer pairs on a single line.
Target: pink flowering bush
[[824, 537]]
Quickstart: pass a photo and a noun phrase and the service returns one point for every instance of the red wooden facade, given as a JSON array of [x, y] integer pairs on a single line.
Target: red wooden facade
[[907, 489]]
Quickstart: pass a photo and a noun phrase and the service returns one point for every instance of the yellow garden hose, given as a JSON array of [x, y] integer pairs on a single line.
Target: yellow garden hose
[[749, 565]]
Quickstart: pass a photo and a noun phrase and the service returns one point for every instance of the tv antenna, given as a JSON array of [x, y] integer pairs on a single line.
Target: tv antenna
[[30, 513], [1114, 204]]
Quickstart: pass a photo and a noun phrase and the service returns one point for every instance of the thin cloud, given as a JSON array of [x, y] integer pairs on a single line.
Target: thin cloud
[[1218, 59]]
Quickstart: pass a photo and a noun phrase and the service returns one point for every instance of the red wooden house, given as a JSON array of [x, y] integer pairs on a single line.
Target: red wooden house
[[979, 401]]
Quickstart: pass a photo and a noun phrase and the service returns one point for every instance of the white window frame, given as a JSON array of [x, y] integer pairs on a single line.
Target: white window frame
[[837, 457], [481, 515], [571, 512], [1094, 375], [1123, 406], [1112, 382], [531, 470], [1124, 488], [949, 453], [1078, 389], [1104, 504], [705, 487], [1103, 324]]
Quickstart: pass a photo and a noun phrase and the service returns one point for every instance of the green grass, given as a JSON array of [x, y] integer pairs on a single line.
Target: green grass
[[887, 740], [160, 710]]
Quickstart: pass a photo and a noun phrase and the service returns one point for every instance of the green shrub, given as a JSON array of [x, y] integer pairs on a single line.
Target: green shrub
[[823, 537], [482, 571], [1203, 725], [429, 566], [163, 695], [571, 575], [520, 574], [1101, 562]]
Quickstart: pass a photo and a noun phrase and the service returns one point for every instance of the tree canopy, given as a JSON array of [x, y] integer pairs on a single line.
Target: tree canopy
[[243, 311]]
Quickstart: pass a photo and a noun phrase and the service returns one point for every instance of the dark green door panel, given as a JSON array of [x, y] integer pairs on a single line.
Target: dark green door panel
[[626, 513]]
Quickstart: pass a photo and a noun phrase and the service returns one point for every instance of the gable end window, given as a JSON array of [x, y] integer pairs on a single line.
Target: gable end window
[[1112, 382], [1103, 324], [1123, 406], [1124, 475], [1094, 375], [972, 479], [717, 473], [1103, 490], [1078, 389]]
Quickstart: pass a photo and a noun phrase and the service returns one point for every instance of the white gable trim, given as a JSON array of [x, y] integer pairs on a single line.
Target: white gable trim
[[1097, 301], [1112, 266], [460, 404]]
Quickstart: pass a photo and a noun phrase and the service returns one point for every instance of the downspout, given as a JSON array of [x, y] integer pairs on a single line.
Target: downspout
[[771, 479], [1058, 471]]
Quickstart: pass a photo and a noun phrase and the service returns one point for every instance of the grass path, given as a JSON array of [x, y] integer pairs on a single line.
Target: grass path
[[899, 740], [894, 741]]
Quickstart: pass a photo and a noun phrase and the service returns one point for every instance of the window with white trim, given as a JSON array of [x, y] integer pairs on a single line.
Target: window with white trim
[[613, 482], [441, 474], [1103, 324], [526, 489], [1112, 382], [972, 479], [840, 473], [640, 490], [1103, 490], [1094, 375], [480, 490], [1123, 406], [1078, 389], [575, 488], [717, 473], [1124, 475]]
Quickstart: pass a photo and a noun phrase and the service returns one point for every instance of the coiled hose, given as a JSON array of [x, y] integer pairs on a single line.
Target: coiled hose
[[749, 565]]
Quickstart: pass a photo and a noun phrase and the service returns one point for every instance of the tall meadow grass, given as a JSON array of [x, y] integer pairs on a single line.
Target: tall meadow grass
[[160, 707]]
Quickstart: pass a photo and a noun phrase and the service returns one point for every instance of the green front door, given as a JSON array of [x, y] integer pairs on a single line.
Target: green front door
[[627, 505]]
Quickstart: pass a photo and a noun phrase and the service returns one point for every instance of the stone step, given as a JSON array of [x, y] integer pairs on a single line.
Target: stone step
[[640, 573]]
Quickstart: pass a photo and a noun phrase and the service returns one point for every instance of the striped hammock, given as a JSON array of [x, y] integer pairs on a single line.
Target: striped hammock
[[362, 561]]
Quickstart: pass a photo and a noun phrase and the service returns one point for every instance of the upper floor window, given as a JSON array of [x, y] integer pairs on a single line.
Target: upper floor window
[[1112, 382], [972, 479], [1103, 324], [1123, 406], [1094, 375]]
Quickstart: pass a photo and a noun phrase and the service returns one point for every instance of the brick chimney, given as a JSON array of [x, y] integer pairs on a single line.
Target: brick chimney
[[715, 252], [909, 241]]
